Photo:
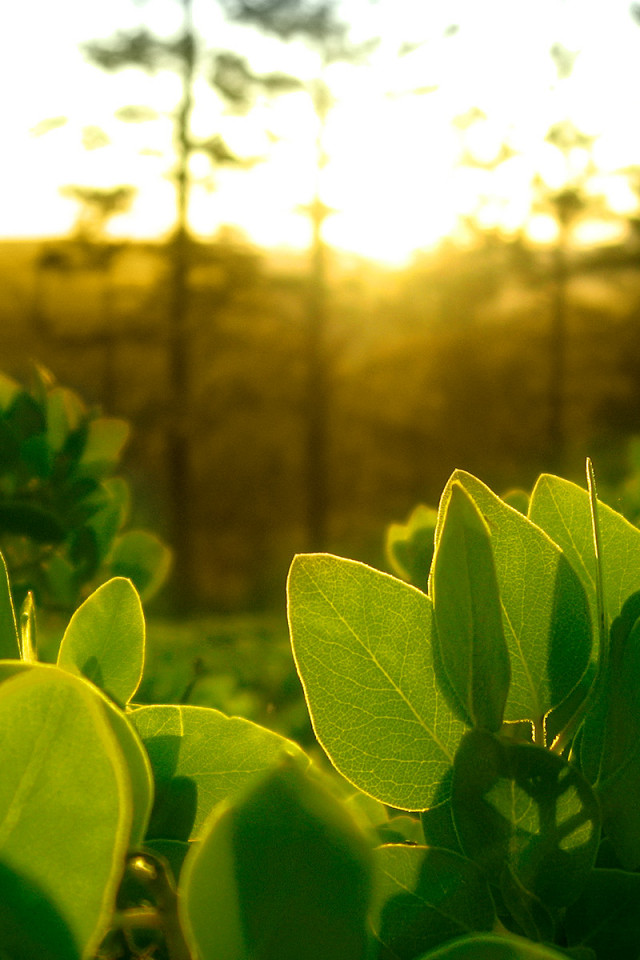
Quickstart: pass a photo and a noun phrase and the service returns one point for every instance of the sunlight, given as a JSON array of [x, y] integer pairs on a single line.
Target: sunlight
[[402, 168]]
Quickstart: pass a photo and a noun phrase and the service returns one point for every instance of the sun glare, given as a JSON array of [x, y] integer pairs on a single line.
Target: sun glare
[[403, 168]]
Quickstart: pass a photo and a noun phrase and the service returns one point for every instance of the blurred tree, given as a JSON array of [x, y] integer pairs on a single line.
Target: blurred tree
[[88, 250], [236, 83]]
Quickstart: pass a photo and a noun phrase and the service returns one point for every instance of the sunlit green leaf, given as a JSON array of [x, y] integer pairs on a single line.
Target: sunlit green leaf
[[65, 808], [425, 896], [362, 644], [468, 613], [133, 753], [545, 614], [200, 757], [562, 509], [282, 873], [105, 640]]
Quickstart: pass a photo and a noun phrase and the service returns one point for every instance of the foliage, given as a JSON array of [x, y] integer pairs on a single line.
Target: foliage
[[486, 732], [63, 511]]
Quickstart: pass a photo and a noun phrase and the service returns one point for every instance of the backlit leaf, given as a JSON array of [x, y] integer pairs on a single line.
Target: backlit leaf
[[65, 808], [362, 642], [133, 753], [468, 613], [545, 614], [105, 640], [562, 509], [199, 757]]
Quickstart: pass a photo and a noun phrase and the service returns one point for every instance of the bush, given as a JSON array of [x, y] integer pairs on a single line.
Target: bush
[[63, 509], [487, 733]]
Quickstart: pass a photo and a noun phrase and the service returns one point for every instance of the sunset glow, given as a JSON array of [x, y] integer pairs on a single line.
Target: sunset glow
[[403, 167]]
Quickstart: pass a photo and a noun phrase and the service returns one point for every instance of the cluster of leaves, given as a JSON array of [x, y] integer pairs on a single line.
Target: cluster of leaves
[[499, 707], [62, 508]]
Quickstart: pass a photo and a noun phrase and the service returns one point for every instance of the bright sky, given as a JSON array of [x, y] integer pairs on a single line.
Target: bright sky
[[394, 175]]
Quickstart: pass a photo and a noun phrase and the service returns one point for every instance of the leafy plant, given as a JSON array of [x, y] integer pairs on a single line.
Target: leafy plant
[[502, 705], [486, 733], [62, 508]]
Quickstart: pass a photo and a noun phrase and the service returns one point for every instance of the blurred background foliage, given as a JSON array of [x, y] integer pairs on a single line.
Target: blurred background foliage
[[284, 400]]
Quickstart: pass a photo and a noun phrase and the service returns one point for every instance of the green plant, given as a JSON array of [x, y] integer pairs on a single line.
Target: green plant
[[502, 705], [62, 508], [487, 733]]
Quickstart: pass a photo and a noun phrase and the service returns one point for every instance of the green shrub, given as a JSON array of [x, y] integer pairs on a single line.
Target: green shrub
[[487, 733], [63, 510]]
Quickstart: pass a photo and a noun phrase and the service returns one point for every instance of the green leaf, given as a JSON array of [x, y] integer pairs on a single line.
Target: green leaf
[[492, 946], [143, 558], [606, 916], [610, 738], [545, 614], [105, 640], [520, 807], [199, 757], [409, 546], [362, 644], [468, 613], [65, 412], [105, 441], [562, 509], [9, 639], [8, 390], [104, 523], [65, 808], [28, 631], [133, 753], [425, 896], [287, 828]]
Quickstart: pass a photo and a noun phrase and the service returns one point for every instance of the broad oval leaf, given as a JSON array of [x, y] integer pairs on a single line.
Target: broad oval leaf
[[105, 639], [468, 613], [563, 510], [362, 643], [519, 807], [492, 946], [199, 757], [282, 872], [545, 613], [425, 896], [133, 753], [65, 806]]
